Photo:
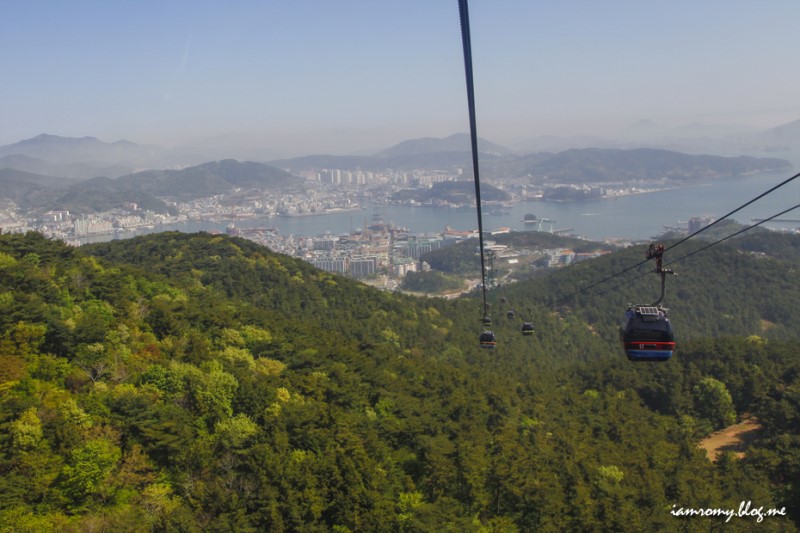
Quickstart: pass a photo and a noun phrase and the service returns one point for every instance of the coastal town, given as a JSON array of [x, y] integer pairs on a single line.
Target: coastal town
[[380, 250]]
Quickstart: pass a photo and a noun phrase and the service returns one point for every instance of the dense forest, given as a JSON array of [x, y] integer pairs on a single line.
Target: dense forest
[[192, 382]]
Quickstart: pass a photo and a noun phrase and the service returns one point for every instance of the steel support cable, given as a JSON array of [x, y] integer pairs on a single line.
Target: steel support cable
[[748, 228], [760, 196], [706, 247], [612, 276], [604, 280], [467, 46]]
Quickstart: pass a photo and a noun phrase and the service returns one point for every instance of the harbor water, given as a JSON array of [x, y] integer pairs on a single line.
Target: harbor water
[[630, 217]]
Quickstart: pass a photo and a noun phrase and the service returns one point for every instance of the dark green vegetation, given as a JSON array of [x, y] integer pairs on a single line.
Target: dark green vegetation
[[201, 383], [724, 290], [463, 260], [431, 282], [540, 239]]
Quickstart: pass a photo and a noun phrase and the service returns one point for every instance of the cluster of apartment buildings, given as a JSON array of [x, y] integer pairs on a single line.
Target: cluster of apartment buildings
[[335, 176], [378, 249], [557, 257]]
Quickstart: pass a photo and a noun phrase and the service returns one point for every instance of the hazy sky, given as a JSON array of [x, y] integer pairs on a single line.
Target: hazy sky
[[348, 76]]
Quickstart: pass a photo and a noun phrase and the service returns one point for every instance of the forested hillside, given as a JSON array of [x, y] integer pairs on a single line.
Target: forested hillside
[[740, 287], [202, 383]]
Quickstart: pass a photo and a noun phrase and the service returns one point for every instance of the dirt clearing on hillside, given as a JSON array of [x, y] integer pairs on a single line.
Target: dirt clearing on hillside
[[735, 438]]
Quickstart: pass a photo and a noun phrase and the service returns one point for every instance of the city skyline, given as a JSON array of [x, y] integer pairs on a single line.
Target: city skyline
[[355, 76]]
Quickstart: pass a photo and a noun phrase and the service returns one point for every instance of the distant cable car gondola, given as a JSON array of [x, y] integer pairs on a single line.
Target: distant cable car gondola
[[527, 328], [647, 334], [488, 340], [511, 315]]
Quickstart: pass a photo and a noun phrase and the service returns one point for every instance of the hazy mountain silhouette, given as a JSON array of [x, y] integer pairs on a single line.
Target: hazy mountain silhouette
[[83, 157], [459, 142], [209, 179], [789, 132], [68, 172], [32, 191]]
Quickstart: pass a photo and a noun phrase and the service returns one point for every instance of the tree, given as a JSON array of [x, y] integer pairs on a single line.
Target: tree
[[713, 402], [212, 390], [89, 468], [26, 431]]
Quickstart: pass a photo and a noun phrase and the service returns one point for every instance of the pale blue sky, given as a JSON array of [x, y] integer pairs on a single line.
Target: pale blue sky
[[348, 76]]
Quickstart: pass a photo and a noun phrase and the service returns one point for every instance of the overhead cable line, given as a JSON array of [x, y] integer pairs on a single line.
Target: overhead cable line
[[748, 228], [604, 280], [467, 46], [760, 196], [612, 276], [706, 247]]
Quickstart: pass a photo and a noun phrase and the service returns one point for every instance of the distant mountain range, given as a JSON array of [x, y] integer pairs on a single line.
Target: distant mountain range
[[570, 166], [719, 139], [82, 158], [43, 193], [51, 172], [650, 130], [604, 165], [67, 171], [26, 188], [424, 153], [460, 142], [789, 133]]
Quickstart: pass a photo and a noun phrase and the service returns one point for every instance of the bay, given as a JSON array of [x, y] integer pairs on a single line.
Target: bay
[[631, 217]]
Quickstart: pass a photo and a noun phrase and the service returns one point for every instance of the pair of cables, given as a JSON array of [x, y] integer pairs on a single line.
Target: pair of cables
[[691, 236]]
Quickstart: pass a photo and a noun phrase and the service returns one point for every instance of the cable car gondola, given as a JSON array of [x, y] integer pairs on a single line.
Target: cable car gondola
[[647, 334], [488, 340], [527, 328]]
